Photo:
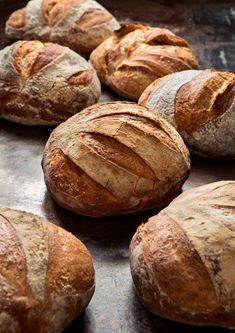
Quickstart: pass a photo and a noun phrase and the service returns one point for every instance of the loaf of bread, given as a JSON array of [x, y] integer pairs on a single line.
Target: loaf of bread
[[44, 84], [46, 275], [136, 55], [201, 106], [183, 259], [114, 158], [79, 24]]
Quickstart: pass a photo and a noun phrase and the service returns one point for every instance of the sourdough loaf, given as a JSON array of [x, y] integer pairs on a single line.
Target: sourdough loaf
[[44, 83], [114, 158], [46, 275], [201, 106], [79, 24], [136, 55], [183, 259]]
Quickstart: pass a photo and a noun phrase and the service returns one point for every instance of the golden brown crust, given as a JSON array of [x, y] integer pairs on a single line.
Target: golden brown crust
[[207, 97], [159, 36], [54, 11], [46, 277], [182, 259], [17, 19], [81, 79], [136, 55], [187, 270], [93, 17], [97, 164], [83, 189]]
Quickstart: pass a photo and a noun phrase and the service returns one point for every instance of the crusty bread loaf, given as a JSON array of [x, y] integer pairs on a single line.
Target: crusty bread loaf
[[114, 158], [201, 106], [183, 259], [44, 83], [136, 55], [46, 275], [79, 24]]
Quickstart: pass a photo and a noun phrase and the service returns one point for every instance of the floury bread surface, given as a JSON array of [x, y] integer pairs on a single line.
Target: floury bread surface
[[114, 158], [201, 106], [183, 259], [79, 24], [136, 55], [44, 83], [46, 275]]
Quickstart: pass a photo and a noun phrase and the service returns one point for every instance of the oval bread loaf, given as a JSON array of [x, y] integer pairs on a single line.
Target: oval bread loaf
[[79, 24], [136, 55], [114, 158], [46, 275], [201, 106], [183, 259], [44, 83]]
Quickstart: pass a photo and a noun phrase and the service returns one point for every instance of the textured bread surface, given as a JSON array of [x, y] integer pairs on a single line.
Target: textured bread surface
[[201, 106], [114, 158], [79, 24], [182, 260], [136, 55], [46, 275], [44, 83]]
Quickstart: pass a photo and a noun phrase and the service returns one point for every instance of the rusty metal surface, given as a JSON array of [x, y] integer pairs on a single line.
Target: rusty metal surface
[[210, 27]]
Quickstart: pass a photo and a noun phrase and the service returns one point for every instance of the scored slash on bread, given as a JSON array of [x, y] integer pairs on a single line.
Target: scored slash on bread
[[201, 106], [136, 55]]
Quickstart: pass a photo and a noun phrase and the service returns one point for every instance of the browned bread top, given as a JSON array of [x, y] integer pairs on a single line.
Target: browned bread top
[[136, 55], [79, 24], [29, 57], [201, 105], [46, 276], [207, 96], [182, 260], [44, 83], [54, 11], [114, 158]]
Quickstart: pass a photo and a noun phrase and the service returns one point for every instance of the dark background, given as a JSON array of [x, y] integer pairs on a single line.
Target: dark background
[[210, 27]]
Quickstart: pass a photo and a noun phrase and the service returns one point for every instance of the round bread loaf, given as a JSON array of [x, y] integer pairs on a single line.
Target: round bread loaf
[[201, 106], [44, 83], [79, 24], [136, 55], [46, 275], [183, 259], [114, 158]]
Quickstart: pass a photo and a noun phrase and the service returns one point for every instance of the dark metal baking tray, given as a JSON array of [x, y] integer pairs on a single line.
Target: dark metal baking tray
[[210, 27]]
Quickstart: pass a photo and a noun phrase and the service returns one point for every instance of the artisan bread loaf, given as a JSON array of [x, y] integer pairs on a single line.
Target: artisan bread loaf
[[201, 106], [136, 55], [114, 158], [79, 24], [46, 275], [44, 83], [183, 259]]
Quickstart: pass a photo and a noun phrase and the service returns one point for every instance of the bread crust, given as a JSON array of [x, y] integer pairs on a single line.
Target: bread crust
[[182, 260], [96, 163], [136, 55], [79, 24], [44, 83], [47, 276], [201, 106]]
